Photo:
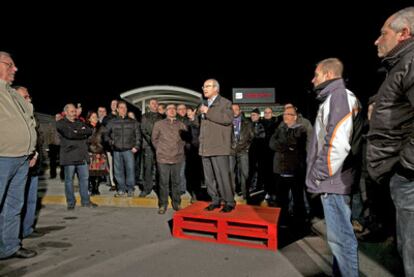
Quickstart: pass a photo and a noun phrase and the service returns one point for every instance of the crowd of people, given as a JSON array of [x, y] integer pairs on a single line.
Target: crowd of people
[[175, 148]]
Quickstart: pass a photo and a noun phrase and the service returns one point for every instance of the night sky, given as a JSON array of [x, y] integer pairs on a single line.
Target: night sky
[[73, 53]]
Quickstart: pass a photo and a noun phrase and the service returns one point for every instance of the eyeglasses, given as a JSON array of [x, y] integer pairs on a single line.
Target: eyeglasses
[[292, 114], [207, 86], [9, 65]]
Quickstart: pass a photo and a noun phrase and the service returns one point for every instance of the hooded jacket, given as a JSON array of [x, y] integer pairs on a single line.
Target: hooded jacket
[[330, 164]]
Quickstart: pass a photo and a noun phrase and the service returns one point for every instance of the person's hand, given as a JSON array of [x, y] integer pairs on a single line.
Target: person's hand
[[32, 162], [134, 150], [203, 109], [191, 115]]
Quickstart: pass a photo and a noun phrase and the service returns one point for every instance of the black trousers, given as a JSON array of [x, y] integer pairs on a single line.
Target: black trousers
[[218, 179], [148, 157], [169, 174], [296, 185]]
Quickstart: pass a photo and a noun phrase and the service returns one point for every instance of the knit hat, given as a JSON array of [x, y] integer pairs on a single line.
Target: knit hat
[[255, 110]]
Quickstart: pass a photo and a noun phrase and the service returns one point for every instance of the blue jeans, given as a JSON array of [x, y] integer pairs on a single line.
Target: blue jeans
[[402, 193], [183, 181], [29, 215], [83, 177], [341, 237], [13, 175], [124, 169]]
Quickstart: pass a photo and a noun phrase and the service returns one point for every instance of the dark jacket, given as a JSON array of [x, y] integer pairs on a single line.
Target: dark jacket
[[258, 144], [192, 135], [37, 168], [269, 125], [123, 134], [391, 133], [216, 129], [73, 141], [147, 124], [242, 143], [95, 141], [289, 144], [108, 118]]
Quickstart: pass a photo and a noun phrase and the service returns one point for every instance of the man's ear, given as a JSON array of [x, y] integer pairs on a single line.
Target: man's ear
[[405, 34], [329, 75]]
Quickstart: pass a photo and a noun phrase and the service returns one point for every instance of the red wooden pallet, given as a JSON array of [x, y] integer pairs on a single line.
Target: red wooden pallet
[[249, 226]]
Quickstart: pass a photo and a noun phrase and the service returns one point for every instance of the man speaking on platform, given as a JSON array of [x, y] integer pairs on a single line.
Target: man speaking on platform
[[215, 144]]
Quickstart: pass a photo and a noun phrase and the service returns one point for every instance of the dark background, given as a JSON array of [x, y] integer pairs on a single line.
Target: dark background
[[90, 53]]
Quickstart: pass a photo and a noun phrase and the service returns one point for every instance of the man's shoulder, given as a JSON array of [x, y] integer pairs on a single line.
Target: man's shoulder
[[3, 85], [160, 123], [60, 122], [221, 101]]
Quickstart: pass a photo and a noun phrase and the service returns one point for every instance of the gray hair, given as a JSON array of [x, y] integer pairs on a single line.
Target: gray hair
[[67, 106], [19, 87], [4, 54], [216, 83], [403, 18], [333, 65]]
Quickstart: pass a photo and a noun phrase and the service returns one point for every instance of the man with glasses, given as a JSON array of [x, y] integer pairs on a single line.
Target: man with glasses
[[17, 140], [215, 147], [289, 165], [167, 138]]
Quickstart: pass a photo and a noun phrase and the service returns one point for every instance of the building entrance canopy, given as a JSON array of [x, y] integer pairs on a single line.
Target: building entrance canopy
[[140, 97]]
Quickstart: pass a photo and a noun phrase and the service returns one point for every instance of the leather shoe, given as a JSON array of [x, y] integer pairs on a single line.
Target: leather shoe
[[162, 210], [90, 205], [227, 209], [177, 207], [35, 234], [212, 207], [24, 253]]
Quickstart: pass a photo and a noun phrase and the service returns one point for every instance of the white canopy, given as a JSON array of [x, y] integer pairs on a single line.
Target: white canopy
[[139, 97]]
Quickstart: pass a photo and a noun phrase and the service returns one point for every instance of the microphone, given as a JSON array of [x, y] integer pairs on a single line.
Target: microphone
[[203, 103]]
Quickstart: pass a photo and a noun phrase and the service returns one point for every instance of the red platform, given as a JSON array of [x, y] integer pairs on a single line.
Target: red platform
[[249, 226]]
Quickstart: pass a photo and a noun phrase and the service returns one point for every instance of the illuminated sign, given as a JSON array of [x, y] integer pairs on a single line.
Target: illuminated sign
[[254, 95]]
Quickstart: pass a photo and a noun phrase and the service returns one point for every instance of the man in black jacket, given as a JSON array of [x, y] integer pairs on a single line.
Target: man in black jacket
[[289, 165], [239, 158], [74, 155], [124, 136], [148, 151], [390, 148]]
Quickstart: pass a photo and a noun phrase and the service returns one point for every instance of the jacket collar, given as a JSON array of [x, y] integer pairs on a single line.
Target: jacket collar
[[216, 99], [397, 52], [324, 90]]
